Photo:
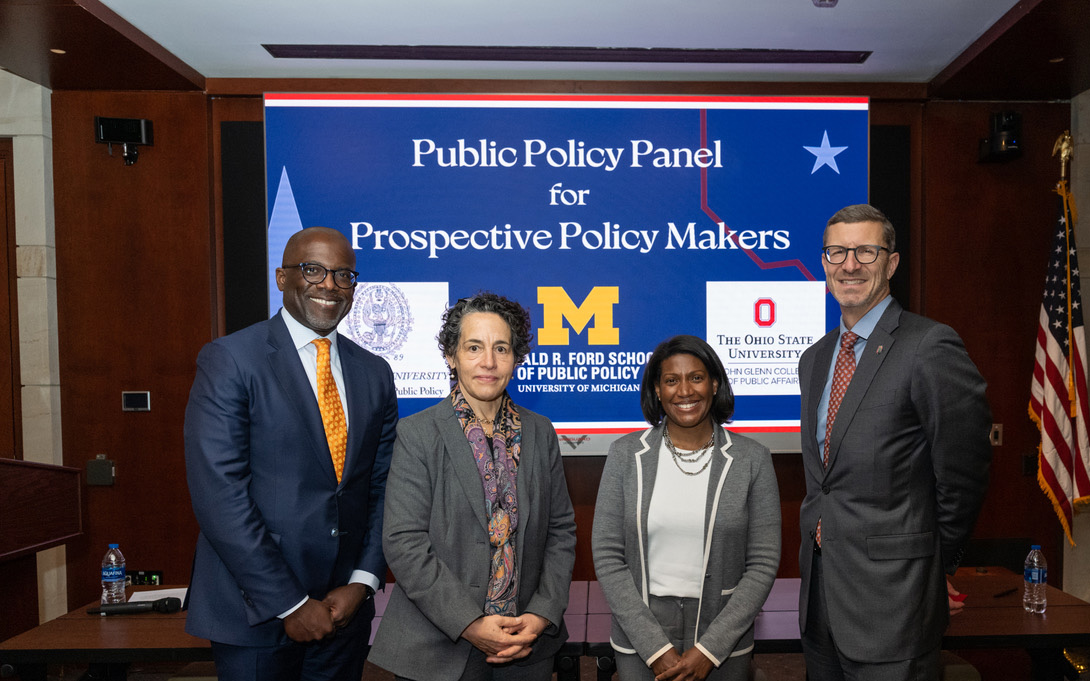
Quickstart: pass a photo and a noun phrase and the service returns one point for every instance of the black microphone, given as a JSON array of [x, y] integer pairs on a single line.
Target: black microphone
[[164, 605]]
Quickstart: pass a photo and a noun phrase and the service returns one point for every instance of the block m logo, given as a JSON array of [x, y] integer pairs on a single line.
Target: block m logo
[[558, 306]]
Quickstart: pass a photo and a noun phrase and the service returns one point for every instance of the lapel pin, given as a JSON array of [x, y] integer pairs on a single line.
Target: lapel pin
[[879, 350]]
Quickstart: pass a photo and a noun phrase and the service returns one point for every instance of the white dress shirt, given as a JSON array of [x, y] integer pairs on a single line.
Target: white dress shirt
[[302, 336]]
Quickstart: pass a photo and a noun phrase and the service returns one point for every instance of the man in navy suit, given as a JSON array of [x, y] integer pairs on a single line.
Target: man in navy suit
[[290, 548], [896, 453]]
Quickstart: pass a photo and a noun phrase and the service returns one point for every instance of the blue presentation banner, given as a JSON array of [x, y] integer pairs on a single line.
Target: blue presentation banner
[[618, 221]]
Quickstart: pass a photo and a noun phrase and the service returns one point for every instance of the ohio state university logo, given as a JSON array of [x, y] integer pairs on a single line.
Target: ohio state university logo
[[764, 312]]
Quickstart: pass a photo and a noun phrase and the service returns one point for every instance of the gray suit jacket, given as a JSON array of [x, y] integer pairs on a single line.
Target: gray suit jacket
[[907, 473], [742, 540], [436, 541]]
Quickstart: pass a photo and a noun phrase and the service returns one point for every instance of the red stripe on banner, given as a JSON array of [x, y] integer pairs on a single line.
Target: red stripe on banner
[[598, 431], [624, 431], [388, 97], [796, 263], [764, 429]]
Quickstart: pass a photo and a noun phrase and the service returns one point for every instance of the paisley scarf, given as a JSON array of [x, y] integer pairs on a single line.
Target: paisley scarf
[[497, 466]]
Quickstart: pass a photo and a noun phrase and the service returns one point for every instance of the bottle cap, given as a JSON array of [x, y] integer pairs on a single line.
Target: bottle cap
[[1035, 547], [113, 546]]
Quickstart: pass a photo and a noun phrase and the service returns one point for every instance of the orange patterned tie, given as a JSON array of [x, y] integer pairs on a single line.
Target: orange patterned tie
[[329, 402], [842, 376]]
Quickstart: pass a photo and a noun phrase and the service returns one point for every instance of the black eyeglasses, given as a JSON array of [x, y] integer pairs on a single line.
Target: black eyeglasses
[[864, 255], [314, 273]]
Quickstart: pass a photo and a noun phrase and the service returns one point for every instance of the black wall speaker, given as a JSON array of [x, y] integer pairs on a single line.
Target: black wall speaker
[[1005, 140], [123, 131]]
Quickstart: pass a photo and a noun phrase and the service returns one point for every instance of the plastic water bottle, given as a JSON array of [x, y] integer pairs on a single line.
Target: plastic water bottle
[[113, 576], [1036, 574]]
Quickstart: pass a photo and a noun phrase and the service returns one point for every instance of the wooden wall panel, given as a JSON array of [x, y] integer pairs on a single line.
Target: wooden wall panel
[[19, 594], [226, 110], [19, 577], [11, 427], [39, 509], [987, 233], [134, 308]]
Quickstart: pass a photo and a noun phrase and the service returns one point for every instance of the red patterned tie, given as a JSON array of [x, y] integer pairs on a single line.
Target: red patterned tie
[[842, 376], [329, 403]]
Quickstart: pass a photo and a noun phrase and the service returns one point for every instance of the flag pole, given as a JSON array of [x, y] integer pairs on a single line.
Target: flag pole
[[1064, 147], [1063, 471]]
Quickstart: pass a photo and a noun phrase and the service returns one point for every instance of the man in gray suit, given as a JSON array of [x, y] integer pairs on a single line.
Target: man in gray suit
[[896, 454]]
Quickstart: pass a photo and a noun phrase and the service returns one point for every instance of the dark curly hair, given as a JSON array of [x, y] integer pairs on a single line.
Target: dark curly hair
[[516, 316], [722, 403]]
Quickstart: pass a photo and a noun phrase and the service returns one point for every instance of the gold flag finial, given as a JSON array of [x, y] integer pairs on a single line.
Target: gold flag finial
[[1065, 147]]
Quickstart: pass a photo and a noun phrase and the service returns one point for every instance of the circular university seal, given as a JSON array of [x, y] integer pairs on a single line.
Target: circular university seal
[[380, 319]]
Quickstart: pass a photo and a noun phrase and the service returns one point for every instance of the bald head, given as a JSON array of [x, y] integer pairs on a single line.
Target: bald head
[[299, 242]]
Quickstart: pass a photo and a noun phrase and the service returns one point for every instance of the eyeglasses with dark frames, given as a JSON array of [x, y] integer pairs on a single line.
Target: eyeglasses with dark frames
[[864, 255], [314, 273]]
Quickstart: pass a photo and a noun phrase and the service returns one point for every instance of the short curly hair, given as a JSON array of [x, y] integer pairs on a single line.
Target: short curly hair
[[516, 316]]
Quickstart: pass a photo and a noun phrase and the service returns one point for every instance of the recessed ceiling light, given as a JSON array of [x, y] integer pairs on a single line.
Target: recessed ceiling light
[[634, 55], [57, 50]]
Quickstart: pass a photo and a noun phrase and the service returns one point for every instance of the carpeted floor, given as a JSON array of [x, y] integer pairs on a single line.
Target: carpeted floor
[[992, 665], [773, 668]]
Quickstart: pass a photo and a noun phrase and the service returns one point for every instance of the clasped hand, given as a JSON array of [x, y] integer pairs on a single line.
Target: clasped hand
[[673, 666], [503, 639], [315, 620]]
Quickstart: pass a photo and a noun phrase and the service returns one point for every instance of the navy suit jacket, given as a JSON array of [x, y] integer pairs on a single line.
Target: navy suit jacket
[[908, 468], [275, 524]]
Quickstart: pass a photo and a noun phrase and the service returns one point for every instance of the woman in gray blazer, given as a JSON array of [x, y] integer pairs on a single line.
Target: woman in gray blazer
[[686, 533], [478, 529]]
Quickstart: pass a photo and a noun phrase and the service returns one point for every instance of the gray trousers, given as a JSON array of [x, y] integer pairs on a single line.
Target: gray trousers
[[677, 617], [479, 670], [824, 661]]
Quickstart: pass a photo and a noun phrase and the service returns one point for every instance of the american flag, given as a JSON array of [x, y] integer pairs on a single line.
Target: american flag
[[1058, 394]]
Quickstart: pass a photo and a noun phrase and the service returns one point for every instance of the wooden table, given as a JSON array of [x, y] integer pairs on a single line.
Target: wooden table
[[993, 618], [987, 621], [110, 643]]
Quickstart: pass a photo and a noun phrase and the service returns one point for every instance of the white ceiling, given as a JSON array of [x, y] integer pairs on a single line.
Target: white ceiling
[[911, 40]]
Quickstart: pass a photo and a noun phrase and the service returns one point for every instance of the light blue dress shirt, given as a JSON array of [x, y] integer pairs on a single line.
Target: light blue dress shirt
[[863, 328]]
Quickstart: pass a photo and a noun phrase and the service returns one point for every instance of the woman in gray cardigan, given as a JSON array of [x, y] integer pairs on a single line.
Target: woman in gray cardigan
[[686, 533]]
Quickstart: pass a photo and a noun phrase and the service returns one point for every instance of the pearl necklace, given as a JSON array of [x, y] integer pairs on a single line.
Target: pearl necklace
[[693, 457]]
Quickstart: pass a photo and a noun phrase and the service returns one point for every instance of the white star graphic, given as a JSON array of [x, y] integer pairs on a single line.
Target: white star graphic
[[825, 155]]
